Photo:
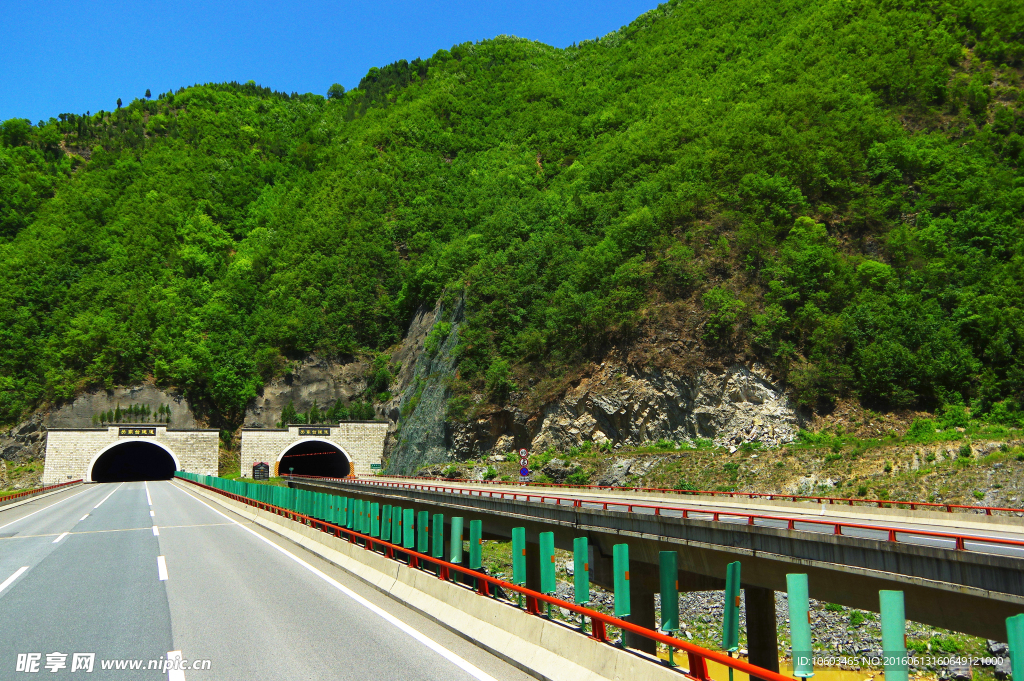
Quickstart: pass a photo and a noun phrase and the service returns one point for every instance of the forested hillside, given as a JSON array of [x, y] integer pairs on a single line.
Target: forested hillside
[[831, 185]]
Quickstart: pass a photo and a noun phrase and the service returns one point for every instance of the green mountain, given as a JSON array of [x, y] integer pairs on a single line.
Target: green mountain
[[833, 186]]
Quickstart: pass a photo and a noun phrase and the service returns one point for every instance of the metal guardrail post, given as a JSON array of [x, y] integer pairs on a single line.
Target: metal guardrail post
[[894, 633], [1015, 639], [800, 625], [620, 571], [731, 614]]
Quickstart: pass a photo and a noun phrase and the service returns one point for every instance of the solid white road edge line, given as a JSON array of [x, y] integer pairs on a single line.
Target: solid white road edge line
[[175, 674], [46, 507], [60, 537], [7, 582], [108, 496], [156, 531], [466, 666], [149, 499], [161, 568]]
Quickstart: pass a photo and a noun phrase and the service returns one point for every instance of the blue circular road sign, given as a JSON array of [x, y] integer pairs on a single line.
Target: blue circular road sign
[[524, 471]]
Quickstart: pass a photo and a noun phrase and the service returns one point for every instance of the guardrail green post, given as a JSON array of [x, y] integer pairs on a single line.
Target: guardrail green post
[[620, 570], [476, 549], [375, 519], [438, 537], [357, 515], [580, 571], [350, 512], [396, 525], [385, 522], [409, 529], [894, 632], [1015, 639], [519, 560], [668, 574], [456, 543], [422, 532], [548, 569], [366, 517], [800, 625], [731, 616]]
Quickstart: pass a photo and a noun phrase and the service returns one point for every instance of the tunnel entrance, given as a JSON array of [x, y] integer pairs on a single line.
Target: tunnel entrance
[[315, 457], [131, 461]]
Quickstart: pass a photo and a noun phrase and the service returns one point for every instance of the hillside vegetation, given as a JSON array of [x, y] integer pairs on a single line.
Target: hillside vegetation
[[832, 185]]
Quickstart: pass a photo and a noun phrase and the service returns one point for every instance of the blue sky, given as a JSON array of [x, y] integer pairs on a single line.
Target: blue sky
[[76, 56]]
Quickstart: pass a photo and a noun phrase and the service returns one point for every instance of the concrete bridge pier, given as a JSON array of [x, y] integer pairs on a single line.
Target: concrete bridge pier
[[762, 633]]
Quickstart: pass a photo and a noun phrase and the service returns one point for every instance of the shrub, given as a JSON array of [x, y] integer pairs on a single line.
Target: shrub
[[857, 618], [965, 451], [578, 478], [491, 473], [684, 485]]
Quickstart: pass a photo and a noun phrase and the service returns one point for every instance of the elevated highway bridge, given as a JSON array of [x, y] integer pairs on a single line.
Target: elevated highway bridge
[[960, 571]]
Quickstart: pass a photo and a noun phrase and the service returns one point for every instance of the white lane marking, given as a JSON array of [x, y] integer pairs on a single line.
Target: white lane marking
[[7, 582], [161, 568], [46, 507], [61, 537], [149, 499], [175, 674], [83, 517], [108, 496], [156, 531], [466, 666], [152, 515]]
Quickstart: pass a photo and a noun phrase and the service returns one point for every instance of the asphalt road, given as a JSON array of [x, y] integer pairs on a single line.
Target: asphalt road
[[84, 571], [909, 529]]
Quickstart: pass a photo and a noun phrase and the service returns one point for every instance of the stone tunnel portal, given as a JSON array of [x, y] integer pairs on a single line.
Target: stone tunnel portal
[[134, 460], [315, 457]]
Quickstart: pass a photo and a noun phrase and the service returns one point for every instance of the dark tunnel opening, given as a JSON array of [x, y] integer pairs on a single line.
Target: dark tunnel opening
[[315, 458], [130, 461]]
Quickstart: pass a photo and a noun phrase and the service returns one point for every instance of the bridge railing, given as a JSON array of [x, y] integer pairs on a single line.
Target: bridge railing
[[959, 542], [486, 585], [767, 496], [38, 490]]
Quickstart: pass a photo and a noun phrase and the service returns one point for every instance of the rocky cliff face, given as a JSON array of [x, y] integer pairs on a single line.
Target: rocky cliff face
[[318, 379], [618, 403], [27, 440], [624, 405], [419, 434]]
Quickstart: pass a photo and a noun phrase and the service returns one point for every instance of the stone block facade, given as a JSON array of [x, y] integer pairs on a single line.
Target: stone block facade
[[71, 452], [361, 441]]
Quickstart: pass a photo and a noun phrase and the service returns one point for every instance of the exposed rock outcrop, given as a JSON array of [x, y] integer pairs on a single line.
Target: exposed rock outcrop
[[624, 406], [314, 379], [27, 440], [419, 432]]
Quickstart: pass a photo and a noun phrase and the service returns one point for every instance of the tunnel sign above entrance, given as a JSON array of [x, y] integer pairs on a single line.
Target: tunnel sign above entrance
[[314, 432], [135, 431]]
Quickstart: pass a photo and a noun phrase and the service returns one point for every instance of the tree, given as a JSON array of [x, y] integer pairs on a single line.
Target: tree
[[336, 91], [118, 102], [288, 415], [149, 94]]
